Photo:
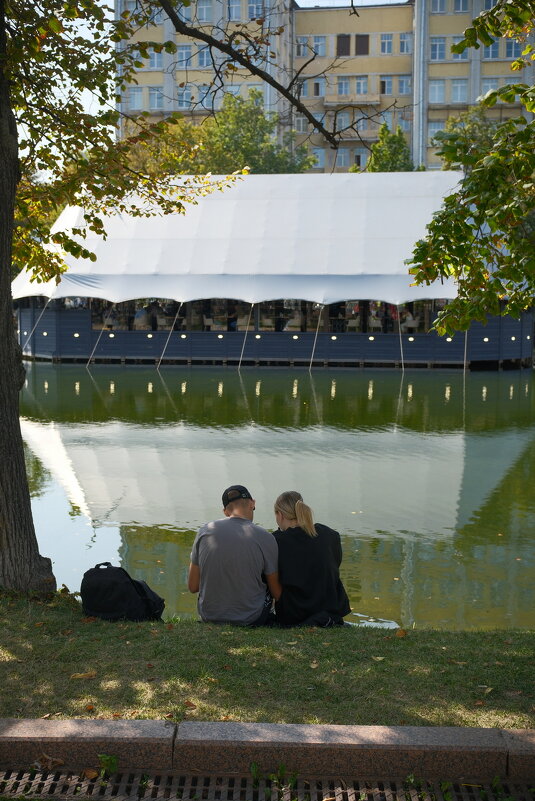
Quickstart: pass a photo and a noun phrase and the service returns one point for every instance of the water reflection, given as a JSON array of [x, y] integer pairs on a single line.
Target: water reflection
[[428, 478]]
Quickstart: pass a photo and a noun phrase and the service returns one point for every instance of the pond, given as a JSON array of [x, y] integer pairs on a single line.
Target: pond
[[429, 477]]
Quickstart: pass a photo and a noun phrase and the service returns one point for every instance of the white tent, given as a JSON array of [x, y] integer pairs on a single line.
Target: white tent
[[322, 238]]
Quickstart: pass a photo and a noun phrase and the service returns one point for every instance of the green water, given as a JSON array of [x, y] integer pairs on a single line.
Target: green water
[[429, 477]]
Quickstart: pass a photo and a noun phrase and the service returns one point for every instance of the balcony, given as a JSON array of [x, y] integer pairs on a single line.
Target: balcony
[[351, 100]]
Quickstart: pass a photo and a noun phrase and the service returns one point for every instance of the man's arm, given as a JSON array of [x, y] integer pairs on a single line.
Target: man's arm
[[194, 577], [275, 587]]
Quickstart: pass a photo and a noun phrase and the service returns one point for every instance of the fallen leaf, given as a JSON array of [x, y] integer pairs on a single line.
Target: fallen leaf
[[455, 662], [150, 665], [488, 690], [151, 678], [46, 762], [211, 678], [227, 667], [88, 619], [508, 642], [378, 658], [401, 633], [117, 715], [45, 717], [169, 715], [169, 627], [480, 703], [91, 674], [90, 773], [190, 705], [293, 642], [66, 632], [39, 624], [314, 664], [89, 708]]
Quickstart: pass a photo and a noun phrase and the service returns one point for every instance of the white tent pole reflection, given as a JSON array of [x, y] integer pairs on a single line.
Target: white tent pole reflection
[[169, 337], [315, 339], [245, 337]]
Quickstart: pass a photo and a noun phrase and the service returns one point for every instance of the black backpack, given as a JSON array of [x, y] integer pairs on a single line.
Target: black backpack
[[111, 594]]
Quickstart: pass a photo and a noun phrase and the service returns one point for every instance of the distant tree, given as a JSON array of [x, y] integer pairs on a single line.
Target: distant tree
[[465, 138], [240, 136], [390, 153]]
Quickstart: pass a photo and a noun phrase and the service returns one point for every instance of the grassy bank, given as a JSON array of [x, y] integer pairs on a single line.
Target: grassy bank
[[58, 664]]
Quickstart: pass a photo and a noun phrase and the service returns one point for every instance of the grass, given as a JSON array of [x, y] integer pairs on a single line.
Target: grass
[[183, 669]]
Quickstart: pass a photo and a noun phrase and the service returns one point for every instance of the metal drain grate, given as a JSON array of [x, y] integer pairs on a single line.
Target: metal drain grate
[[224, 788]]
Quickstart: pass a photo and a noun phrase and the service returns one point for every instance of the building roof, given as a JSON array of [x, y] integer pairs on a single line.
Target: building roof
[[322, 238]]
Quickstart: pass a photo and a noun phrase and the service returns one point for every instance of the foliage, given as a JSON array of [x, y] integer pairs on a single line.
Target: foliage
[[390, 153], [472, 133], [483, 236], [240, 137]]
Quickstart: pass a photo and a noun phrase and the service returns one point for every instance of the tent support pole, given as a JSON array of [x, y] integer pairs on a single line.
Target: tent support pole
[[315, 340], [98, 339], [245, 337], [36, 324], [401, 341], [169, 337]]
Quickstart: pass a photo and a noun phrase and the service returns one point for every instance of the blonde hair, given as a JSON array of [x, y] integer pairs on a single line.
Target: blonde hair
[[291, 506]]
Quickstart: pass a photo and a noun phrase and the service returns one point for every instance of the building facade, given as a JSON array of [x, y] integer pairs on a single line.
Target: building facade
[[356, 67]]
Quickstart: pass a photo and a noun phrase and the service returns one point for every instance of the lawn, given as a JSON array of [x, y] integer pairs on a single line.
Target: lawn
[[56, 663]]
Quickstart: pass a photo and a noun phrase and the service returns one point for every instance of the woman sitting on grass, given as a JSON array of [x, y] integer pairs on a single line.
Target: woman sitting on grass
[[309, 560]]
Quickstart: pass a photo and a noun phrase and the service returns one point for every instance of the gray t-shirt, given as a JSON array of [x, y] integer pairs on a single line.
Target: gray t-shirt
[[232, 553]]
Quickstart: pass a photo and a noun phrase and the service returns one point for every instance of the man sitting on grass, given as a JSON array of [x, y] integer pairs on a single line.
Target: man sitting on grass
[[230, 559]]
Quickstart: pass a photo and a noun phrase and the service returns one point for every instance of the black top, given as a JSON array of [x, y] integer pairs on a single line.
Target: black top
[[310, 577]]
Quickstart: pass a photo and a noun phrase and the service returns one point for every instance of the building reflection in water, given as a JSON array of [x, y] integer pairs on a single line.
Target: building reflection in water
[[428, 478]]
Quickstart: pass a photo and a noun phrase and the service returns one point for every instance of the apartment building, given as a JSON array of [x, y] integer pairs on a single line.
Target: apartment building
[[357, 66]]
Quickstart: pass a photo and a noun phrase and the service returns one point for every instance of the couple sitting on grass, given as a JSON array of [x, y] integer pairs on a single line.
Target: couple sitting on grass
[[239, 568]]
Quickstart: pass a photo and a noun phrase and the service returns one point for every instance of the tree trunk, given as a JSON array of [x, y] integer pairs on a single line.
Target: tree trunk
[[21, 567]]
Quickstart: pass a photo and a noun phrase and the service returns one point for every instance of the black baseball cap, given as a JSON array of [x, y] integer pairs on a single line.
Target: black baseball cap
[[235, 493]]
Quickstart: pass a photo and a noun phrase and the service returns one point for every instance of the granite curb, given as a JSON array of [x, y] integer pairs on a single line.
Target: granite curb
[[229, 748]]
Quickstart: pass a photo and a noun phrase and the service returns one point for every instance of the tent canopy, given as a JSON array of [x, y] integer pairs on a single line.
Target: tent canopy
[[322, 238]]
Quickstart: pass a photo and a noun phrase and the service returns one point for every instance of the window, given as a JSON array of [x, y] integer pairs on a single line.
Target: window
[[319, 45], [488, 4], [342, 120], [257, 87], [204, 10], [404, 85], [438, 6], [460, 6], [404, 124], [459, 56], [513, 49], [204, 96], [385, 84], [459, 90], [343, 44], [184, 12], [362, 44], [318, 87], [492, 51], [204, 58], [387, 117], [130, 5], [361, 124], [361, 157], [135, 97], [301, 46], [488, 85], [301, 123], [343, 86], [184, 97], [361, 84], [433, 127], [342, 157], [438, 48], [183, 56], [319, 155], [302, 89], [233, 89], [234, 10], [386, 44], [155, 98], [437, 91], [157, 16], [155, 60], [255, 10], [405, 43]]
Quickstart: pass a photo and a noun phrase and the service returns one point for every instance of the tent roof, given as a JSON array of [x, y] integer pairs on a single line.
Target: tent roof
[[322, 238]]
